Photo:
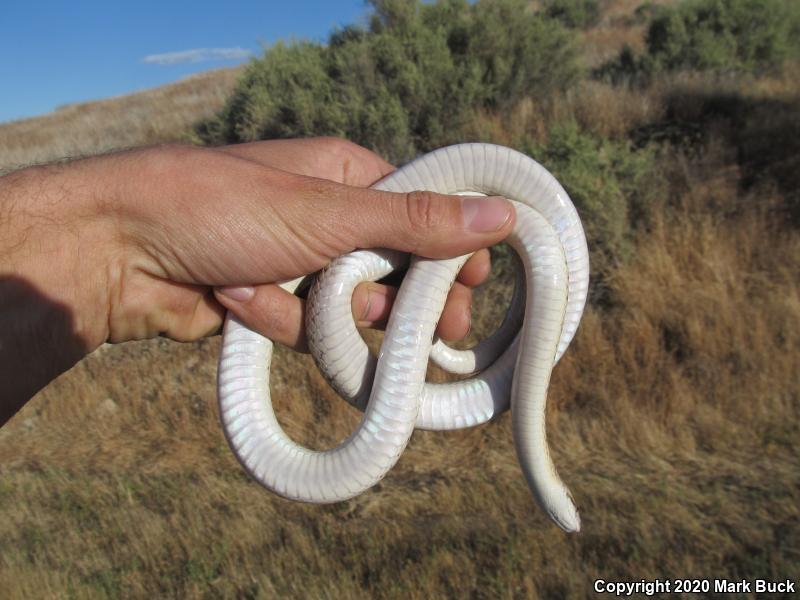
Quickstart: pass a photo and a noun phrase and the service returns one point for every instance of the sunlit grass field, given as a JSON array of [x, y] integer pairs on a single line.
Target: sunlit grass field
[[161, 114], [673, 417]]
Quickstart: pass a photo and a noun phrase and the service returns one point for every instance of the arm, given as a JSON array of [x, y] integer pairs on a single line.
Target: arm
[[145, 243], [52, 296]]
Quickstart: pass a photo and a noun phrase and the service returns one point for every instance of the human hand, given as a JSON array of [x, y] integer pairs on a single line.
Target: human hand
[[137, 244], [252, 213]]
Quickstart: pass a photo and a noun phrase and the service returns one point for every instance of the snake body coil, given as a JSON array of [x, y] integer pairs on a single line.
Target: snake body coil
[[512, 364]]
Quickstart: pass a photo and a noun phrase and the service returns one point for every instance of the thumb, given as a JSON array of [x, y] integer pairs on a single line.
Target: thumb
[[439, 226], [424, 223]]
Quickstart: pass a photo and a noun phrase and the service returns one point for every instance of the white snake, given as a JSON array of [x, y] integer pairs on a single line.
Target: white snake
[[391, 389]]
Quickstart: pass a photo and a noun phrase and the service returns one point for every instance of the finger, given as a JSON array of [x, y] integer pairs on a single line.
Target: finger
[[422, 222], [278, 315], [279, 225], [184, 312], [208, 318], [331, 158], [270, 310], [430, 224], [341, 161], [454, 324], [476, 269], [372, 304]]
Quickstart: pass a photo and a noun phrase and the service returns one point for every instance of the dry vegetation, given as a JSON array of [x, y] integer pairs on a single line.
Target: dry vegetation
[[158, 115], [673, 417]]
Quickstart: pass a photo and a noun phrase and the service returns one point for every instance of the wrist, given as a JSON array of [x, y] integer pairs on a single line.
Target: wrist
[[55, 242]]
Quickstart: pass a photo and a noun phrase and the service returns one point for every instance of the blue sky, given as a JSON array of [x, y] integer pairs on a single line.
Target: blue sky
[[54, 53]]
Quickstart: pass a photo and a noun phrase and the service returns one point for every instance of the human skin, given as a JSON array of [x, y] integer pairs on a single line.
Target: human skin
[[163, 240]]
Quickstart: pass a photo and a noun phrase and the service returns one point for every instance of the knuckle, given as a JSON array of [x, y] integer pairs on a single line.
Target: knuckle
[[332, 142], [172, 159], [338, 146], [174, 151], [424, 211], [346, 155]]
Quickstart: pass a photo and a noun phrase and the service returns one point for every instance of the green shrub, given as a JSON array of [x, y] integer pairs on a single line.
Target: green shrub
[[613, 186], [714, 35], [407, 83], [746, 35], [574, 13], [643, 13], [627, 67]]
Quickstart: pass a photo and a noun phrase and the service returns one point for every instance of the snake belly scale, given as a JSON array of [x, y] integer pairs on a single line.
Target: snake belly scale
[[511, 368]]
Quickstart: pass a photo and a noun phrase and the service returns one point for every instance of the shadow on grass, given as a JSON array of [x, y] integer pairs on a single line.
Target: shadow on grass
[[38, 342], [764, 133]]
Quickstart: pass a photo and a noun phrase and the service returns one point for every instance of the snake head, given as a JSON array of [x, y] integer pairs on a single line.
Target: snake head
[[564, 512]]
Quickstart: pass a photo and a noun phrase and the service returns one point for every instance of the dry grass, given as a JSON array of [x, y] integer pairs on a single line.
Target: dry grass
[[673, 418], [617, 28], [158, 115]]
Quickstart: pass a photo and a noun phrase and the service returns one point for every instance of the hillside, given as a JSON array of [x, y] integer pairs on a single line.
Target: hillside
[[152, 116], [672, 417]]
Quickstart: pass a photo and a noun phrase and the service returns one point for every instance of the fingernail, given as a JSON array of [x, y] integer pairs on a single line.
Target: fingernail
[[238, 293], [376, 305], [485, 215]]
